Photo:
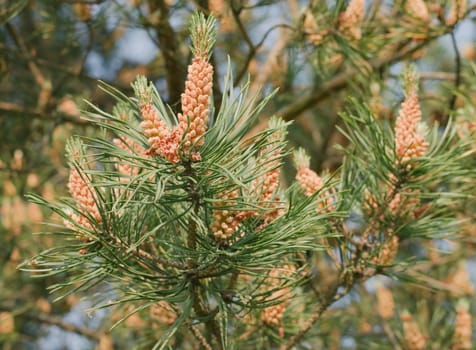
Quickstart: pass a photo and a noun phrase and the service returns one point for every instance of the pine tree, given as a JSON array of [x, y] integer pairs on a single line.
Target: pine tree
[[187, 218]]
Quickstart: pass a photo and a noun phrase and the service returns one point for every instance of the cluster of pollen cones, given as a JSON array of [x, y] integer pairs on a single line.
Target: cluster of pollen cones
[[185, 137]]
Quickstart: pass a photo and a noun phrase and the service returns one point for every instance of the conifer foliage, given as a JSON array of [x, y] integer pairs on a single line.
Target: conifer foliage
[[186, 215]]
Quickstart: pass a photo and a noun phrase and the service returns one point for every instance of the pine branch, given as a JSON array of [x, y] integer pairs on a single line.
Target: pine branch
[[78, 71], [153, 258], [437, 76], [200, 338], [252, 49], [199, 307], [44, 84], [329, 299], [196, 286], [390, 335], [336, 84], [264, 74], [457, 69], [341, 81], [54, 321], [15, 109], [174, 66]]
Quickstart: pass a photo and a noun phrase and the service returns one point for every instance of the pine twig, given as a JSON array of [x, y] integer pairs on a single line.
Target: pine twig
[[333, 296], [390, 335], [267, 70], [330, 298], [174, 66], [252, 48], [153, 258], [437, 76], [457, 69], [339, 82], [15, 109], [44, 84], [54, 321], [199, 336], [198, 303]]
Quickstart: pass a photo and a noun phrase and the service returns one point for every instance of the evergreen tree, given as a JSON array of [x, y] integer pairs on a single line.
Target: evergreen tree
[[201, 216]]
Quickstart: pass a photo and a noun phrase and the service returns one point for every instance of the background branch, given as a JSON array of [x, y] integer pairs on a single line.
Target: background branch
[[457, 69], [44, 84], [13, 109], [174, 63], [54, 321], [334, 85]]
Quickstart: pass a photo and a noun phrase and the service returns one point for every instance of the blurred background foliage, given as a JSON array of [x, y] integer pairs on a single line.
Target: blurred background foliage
[[53, 52]]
